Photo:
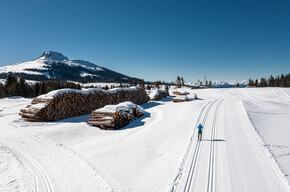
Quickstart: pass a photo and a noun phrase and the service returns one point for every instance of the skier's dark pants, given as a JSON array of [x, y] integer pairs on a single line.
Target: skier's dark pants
[[199, 135]]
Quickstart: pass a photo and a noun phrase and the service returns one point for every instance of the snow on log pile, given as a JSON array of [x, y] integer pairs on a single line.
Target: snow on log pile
[[158, 94], [115, 116], [180, 92], [64, 103]]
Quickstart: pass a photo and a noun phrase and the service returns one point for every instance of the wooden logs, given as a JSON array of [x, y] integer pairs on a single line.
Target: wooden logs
[[115, 116], [180, 93], [180, 98], [157, 94], [64, 103]]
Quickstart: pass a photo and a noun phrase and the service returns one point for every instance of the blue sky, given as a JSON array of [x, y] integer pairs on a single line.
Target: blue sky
[[153, 39]]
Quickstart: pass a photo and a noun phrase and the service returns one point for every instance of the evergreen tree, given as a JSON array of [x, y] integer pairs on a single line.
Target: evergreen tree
[[10, 81], [263, 82], [256, 83], [210, 84], [42, 88], [23, 87], [148, 86], [2, 93], [277, 81], [178, 82], [271, 81], [282, 81], [287, 80], [36, 88], [238, 85], [106, 87], [251, 82]]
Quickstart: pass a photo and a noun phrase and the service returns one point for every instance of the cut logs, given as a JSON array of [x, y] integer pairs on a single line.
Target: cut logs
[[180, 92], [115, 116], [64, 103], [158, 94], [180, 98]]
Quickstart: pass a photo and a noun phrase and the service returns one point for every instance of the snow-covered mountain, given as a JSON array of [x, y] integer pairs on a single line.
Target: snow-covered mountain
[[224, 84], [54, 65]]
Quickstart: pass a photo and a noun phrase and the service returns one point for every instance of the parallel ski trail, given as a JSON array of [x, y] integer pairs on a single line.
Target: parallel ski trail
[[41, 180], [211, 167], [190, 176]]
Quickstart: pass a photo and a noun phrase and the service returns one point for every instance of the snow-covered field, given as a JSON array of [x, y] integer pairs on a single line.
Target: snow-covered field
[[245, 147]]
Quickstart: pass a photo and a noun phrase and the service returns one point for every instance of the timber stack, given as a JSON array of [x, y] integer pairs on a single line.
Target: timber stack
[[64, 103], [157, 94], [180, 98], [180, 92], [113, 117]]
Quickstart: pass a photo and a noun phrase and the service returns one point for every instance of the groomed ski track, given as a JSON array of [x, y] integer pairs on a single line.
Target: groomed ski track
[[230, 156]]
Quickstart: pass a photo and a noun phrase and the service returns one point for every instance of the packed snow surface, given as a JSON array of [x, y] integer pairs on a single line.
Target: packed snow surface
[[245, 147]]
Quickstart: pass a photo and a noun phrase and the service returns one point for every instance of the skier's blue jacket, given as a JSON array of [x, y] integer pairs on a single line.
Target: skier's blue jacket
[[199, 127]]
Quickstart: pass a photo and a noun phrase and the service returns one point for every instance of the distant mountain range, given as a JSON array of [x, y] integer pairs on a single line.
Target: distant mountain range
[[224, 84], [55, 66]]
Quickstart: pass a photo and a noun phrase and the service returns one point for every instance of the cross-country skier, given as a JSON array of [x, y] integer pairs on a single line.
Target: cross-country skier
[[199, 128]]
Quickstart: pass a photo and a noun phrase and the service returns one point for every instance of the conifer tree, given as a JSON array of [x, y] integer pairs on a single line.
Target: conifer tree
[[256, 83], [271, 81], [42, 88], [210, 84], [36, 88], [282, 81], [263, 82], [23, 87], [178, 83]]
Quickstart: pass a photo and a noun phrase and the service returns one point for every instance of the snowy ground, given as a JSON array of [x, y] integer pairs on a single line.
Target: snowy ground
[[158, 152]]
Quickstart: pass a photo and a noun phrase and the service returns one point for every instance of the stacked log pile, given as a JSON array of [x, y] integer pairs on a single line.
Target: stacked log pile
[[180, 98], [180, 93], [61, 104], [158, 94], [115, 116]]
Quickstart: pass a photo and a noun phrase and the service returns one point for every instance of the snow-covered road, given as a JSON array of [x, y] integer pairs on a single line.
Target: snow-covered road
[[158, 152]]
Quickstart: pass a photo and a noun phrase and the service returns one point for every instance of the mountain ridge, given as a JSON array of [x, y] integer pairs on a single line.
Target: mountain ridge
[[52, 65]]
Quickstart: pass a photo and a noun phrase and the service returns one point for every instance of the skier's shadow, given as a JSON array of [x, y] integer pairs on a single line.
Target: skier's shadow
[[214, 140]]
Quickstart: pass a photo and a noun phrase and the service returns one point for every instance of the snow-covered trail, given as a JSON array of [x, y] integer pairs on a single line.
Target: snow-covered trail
[[157, 152], [230, 157], [48, 166]]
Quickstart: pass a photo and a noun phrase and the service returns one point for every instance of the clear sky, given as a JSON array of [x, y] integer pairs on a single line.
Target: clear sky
[[153, 39]]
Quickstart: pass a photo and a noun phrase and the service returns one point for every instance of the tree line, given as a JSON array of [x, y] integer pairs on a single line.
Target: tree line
[[15, 86], [278, 81]]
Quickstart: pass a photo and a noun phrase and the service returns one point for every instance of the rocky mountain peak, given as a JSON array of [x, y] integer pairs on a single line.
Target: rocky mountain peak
[[52, 55]]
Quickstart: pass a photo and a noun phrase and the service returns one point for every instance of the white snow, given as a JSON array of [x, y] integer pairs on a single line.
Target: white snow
[[43, 63], [245, 146], [85, 74], [155, 93], [84, 91], [125, 106]]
